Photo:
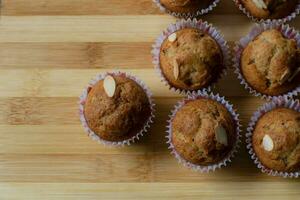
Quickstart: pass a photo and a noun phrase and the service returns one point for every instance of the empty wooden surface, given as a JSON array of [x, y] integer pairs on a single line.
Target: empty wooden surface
[[49, 50]]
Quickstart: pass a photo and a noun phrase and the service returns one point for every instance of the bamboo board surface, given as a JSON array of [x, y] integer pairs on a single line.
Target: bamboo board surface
[[49, 50]]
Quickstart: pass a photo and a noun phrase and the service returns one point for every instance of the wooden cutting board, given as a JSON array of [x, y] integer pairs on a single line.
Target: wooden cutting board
[[49, 51]]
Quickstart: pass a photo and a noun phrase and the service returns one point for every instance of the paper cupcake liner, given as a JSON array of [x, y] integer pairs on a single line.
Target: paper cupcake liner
[[191, 23], [231, 154], [94, 136], [187, 15], [277, 102], [286, 30], [282, 20]]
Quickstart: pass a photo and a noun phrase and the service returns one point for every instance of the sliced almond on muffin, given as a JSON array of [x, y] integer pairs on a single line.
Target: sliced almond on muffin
[[268, 143], [221, 135], [285, 76], [109, 85], [172, 37], [260, 4], [176, 70]]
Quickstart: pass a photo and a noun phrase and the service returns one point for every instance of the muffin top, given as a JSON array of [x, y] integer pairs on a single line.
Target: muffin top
[[270, 63], [116, 108], [190, 59], [270, 9], [203, 131], [185, 6], [276, 140]]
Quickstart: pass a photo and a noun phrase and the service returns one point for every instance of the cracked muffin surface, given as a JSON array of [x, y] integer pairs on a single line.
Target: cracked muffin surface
[[194, 131], [119, 117], [282, 125], [270, 63], [185, 6], [195, 56], [270, 9]]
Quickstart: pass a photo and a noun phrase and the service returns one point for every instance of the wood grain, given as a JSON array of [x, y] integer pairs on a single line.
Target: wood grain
[[77, 55], [102, 28], [78, 7], [172, 191], [91, 7], [49, 51]]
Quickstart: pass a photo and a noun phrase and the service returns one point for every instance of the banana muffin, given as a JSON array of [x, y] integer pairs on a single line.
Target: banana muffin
[[276, 140], [116, 108], [269, 9], [203, 131], [185, 6], [271, 63], [190, 59]]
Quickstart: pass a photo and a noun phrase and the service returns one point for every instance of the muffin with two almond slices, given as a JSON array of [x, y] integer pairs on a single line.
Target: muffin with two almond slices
[[190, 59]]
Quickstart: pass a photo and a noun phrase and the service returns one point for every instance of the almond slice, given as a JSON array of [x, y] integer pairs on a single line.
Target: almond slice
[[268, 143], [285, 76], [109, 85], [295, 74], [172, 37], [175, 70], [221, 135], [260, 4]]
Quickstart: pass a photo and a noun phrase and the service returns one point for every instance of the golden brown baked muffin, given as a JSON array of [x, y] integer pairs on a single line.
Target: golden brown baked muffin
[[116, 110], [203, 131], [276, 140], [185, 6], [190, 59], [270, 63], [269, 9]]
